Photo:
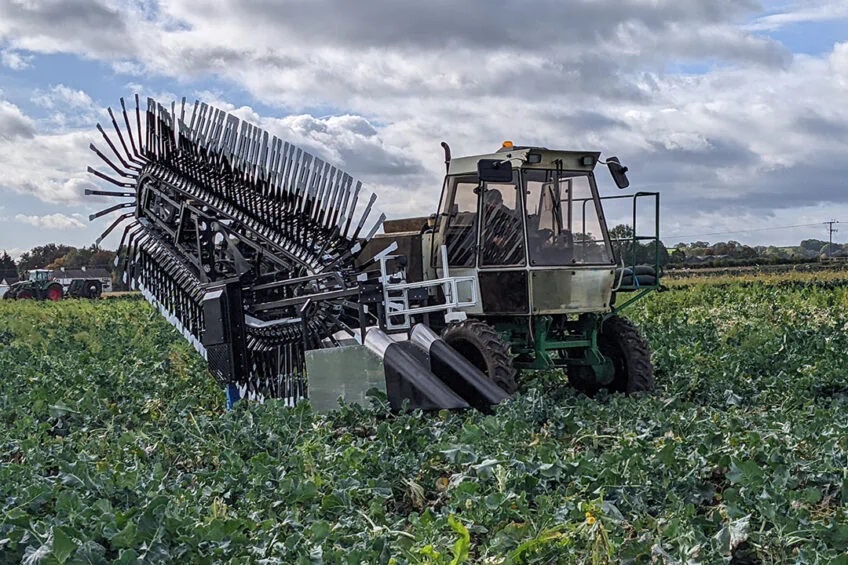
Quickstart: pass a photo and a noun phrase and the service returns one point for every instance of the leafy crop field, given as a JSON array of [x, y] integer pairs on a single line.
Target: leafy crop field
[[115, 446]]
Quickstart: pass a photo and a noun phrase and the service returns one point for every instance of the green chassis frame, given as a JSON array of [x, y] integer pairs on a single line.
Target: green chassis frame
[[548, 342]]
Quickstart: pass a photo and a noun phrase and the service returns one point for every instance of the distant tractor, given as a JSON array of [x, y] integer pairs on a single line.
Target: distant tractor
[[38, 286]]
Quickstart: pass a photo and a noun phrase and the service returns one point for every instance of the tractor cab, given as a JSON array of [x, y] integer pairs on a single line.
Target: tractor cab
[[39, 275], [530, 224]]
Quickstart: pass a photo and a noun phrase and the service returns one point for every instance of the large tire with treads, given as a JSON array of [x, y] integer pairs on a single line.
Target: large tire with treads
[[621, 342], [479, 343], [93, 289]]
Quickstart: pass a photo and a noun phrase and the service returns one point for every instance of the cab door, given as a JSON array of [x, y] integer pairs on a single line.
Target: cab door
[[458, 229]]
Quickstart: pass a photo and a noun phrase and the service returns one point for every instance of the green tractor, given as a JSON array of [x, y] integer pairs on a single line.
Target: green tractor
[[526, 225], [38, 286]]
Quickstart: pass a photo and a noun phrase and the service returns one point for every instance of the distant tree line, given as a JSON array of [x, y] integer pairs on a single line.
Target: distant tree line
[[703, 254], [732, 253]]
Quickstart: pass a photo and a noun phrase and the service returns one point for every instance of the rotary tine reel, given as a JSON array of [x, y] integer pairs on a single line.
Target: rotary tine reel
[[247, 244]]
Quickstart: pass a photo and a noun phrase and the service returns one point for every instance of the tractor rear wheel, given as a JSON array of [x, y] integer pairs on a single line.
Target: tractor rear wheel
[[479, 343], [621, 343], [55, 292], [94, 289]]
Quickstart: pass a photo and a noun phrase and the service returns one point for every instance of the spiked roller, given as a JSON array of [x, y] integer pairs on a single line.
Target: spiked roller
[[245, 243]]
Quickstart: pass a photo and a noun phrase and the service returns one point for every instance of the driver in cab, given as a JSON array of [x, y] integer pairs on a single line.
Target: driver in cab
[[503, 238]]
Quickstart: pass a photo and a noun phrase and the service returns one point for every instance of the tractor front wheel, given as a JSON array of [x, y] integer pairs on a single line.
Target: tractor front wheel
[[24, 295], [479, 343], [622, 344], [55, 292]]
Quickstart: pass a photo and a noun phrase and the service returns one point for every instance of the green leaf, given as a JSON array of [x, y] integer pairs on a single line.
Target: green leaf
[[63, 545], [463, 542], [125, 538]]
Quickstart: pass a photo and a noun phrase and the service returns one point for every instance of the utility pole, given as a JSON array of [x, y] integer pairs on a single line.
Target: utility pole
[[830, 230]]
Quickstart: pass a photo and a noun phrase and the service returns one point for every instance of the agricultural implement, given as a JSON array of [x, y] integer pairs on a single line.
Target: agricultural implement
[[37, 286], [270, 263]]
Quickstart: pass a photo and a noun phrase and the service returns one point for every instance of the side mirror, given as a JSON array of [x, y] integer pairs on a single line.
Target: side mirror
[[494, 170], [618, 172]]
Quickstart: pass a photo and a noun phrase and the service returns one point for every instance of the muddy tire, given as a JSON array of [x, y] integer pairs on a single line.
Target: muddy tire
[[621, 342], [479, 343]]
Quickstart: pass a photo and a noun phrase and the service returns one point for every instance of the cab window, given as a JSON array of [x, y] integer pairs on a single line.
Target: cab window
[[457, 222]]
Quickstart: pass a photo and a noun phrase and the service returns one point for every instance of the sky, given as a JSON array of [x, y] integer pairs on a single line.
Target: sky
[[735, 111]]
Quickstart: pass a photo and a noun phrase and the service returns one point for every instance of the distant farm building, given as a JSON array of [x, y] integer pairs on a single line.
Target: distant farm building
[[65, 276]]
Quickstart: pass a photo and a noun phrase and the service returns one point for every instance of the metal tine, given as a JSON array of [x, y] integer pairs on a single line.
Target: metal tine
[[260, 156], [241, 139], [174, 128], [265, 159], [138, 123], [253, 158], [291, 178], [349, 212], [311, 187], [114, 149], [250, 155], [373, 231], [329, 196], [197, 123], [335, 198], [207, 119], [153, 128], [273, 165], [270, 178], [89, 192], [152, 146], [302, 179], [120, 135], [110, 179], [132, 225], [136, 157], [112, 226], [322, 197], [278, 198], [197, 129], [228, 139], [289, 156], [111, 209], [215, 133], [339, 215], [112, 165], [195, 118], [162, 125]]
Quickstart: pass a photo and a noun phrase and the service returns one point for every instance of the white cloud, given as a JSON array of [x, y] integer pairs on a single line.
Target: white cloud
[[14, 60], [14, 125], [56, 221], [802, 11], [737, 135], [61, 97], [49, 166]]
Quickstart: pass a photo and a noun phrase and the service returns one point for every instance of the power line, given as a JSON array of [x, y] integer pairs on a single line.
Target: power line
[[741, 231]]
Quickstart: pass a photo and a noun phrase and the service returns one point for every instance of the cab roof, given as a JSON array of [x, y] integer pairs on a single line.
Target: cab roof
[[518, 156]]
